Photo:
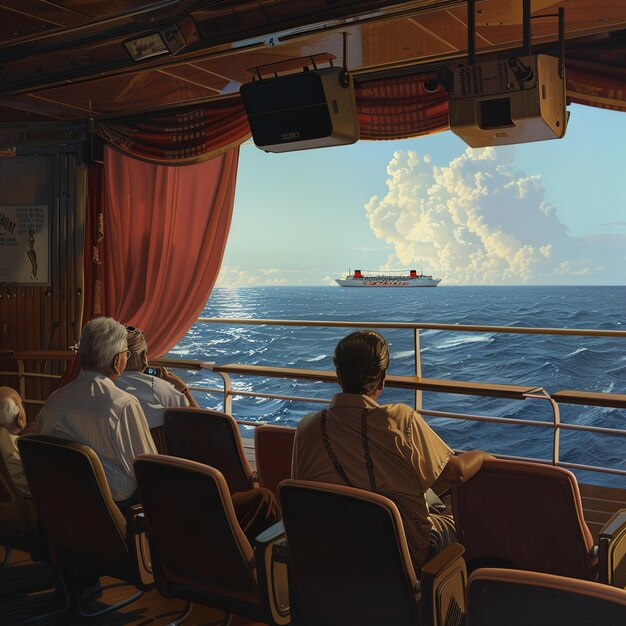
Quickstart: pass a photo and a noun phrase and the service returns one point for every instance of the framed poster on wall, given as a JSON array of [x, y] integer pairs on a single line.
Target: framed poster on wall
[[24, 244]]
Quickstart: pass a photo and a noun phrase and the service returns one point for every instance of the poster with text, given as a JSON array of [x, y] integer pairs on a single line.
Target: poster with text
[[24, 243]]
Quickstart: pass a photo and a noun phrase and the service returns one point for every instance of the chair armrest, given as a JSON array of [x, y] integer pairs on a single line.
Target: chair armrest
[[442, 587], [138, 547], [272, 576], [612, 551]]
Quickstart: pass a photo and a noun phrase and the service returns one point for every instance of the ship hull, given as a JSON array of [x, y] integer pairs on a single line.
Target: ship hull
[[396, 283]]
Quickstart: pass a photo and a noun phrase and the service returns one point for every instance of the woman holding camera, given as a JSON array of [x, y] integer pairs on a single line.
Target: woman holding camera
[[156, 388]]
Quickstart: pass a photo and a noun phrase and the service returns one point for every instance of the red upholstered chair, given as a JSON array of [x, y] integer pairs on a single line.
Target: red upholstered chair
[[497, 597], [273, 446], [209, 437], [349, 562], [529, 516], [199, 551], [83, 525]]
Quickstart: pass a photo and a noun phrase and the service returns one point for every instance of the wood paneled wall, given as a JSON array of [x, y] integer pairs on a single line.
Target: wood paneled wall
[[46, 317]]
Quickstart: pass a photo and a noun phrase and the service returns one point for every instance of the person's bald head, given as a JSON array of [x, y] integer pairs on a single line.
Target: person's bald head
[[12, 414]]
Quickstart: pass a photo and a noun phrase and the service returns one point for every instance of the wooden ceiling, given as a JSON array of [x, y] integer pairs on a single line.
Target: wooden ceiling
[[65, 60]]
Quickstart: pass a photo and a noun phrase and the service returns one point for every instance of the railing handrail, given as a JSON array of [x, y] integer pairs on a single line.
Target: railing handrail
[[524, 330], [416, 382]]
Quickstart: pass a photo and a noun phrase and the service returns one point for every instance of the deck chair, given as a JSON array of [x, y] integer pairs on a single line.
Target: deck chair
[[519, 598], [209, 437], [18, 517], [273, 447], [349, 562], [199, 551], [85, 529], [529, 516]]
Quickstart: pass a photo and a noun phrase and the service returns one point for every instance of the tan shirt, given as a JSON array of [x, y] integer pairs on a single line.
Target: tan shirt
[[11, 455], [407, 454]]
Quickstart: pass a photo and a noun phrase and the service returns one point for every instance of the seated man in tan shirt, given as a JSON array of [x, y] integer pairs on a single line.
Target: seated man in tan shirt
[[406, 457], [13, 422]]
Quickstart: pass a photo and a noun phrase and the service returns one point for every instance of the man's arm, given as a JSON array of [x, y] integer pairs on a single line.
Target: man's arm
[[460, 468]]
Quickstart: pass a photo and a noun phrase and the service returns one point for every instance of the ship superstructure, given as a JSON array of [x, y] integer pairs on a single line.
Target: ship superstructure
[[393, 278]]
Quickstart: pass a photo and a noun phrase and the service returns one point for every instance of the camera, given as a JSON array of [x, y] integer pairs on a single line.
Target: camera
[[153, 371]]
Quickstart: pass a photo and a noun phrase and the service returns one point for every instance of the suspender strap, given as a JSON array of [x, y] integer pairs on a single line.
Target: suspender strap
[[366, 449], [369, 464], [331, 453]]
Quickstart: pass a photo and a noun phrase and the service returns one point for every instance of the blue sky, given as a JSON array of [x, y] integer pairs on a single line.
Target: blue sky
[[551, 212]]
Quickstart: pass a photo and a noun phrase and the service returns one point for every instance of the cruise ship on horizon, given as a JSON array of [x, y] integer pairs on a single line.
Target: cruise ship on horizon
[[384, 279]]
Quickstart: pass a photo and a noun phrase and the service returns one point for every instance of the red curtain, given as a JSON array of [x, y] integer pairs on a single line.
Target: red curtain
[[596, 73], [392, 108], [396, 108], [165, 233], [183, 137]]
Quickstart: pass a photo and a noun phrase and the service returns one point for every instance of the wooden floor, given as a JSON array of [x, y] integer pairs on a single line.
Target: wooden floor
[[27, 591]]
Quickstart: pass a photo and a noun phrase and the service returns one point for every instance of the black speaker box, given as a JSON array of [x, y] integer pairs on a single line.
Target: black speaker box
[[312, 109]]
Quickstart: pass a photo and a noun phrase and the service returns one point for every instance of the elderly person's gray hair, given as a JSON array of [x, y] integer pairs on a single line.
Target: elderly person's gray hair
[[101, 340], [8, 412]]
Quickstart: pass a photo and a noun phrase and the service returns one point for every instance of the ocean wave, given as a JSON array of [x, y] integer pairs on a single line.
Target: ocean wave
[[469, 339], [316, 359], [403, 354], [578, 351]]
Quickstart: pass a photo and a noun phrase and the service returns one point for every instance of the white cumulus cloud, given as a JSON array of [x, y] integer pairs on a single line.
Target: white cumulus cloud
[[477, 220]]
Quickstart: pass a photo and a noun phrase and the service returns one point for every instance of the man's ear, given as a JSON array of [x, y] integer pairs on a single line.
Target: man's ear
[[381, 382], [21, 419], [116, 360]]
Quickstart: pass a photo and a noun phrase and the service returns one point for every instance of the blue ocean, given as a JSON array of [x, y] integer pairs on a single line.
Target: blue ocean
[[549, 361]]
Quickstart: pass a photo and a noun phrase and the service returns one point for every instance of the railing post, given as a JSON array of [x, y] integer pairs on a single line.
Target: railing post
[[418, 367], [542, 394], [228, 397], [556, 439]]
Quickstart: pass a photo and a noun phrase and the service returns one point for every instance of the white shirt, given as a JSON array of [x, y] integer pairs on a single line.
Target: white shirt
[[93, 411], [154, 395]]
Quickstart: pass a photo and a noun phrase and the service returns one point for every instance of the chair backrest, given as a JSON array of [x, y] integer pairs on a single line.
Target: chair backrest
[[348, 558], [273, 447], [523, 516], [199, 551], [158, 436], [75, 506], [18, 517], [521, 598], [208, 437]]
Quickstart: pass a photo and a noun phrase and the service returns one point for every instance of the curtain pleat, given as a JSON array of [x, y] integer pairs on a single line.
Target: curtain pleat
[[182, 137], [396, 108]]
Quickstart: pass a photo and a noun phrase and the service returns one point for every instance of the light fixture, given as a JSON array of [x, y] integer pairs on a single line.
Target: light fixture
[[168, 40]]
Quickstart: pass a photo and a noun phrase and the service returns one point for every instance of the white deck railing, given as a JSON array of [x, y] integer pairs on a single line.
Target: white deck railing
[[415, 382]]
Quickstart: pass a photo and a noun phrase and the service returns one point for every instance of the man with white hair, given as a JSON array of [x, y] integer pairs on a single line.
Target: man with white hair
[[12, 422], [94, 411]]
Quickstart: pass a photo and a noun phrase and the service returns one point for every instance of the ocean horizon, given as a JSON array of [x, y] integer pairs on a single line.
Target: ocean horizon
[[554, 362]]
